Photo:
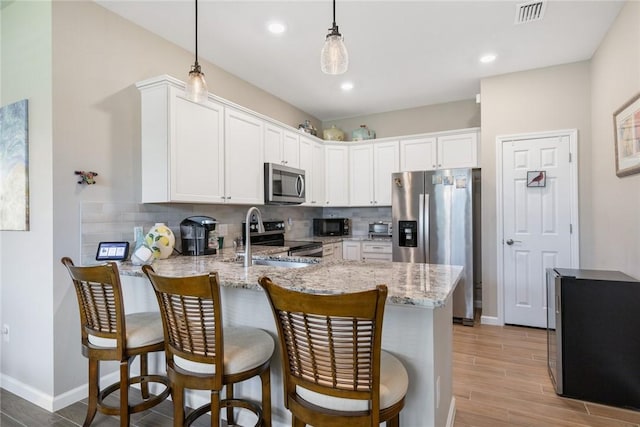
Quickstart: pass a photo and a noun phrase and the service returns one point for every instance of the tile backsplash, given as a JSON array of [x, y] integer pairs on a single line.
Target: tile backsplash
[[114, 221]]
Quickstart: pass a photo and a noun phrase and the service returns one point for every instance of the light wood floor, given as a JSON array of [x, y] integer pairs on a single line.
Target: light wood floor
[[499, 379]]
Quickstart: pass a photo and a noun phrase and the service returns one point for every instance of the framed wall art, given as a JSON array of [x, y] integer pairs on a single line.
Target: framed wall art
[[626, 124], [14, 166]]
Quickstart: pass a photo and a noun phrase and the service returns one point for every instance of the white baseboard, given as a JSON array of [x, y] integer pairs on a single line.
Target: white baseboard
[[489, 320], [46, 401], [451, 417]]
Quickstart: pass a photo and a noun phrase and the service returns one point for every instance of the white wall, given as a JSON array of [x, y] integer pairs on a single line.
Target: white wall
[[531, 101], [77, 63], [26, 263], [614, 238]]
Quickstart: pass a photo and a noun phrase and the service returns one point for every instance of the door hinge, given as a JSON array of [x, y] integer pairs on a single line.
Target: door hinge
[[569, 157], [570, 228]]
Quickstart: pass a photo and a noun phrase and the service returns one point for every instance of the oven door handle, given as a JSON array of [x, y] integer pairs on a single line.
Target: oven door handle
[[311, 252]]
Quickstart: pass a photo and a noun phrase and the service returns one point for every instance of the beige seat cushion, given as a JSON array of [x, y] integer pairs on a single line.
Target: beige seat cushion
[[142, 329], [394, 382], [245, 348]]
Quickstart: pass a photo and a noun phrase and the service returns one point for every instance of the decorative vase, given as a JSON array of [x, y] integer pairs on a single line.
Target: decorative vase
[[333, 134], [363, 133], [142, 254], [161, 240]]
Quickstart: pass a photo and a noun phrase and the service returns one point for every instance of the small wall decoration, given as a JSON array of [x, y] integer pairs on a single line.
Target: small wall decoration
[[88, 178], [536, 178], [626, 124], [14, 166]]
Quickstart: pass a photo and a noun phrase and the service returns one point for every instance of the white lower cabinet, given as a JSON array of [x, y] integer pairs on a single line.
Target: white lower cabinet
[[368, 250], [351, 250], [376, 251], [332, 251]]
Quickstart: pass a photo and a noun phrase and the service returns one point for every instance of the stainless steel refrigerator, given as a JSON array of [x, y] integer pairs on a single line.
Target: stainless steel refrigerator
[[436, 220]]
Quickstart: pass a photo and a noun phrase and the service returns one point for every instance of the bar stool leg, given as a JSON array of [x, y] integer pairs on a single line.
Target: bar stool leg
[[94, 374], [265, 378], [124, 394], [229, 396]]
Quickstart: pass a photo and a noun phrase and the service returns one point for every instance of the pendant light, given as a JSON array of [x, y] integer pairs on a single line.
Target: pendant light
[[334, 58], [196, 89]]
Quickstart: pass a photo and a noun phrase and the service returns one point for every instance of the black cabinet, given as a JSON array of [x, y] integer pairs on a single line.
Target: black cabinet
[[593, 328]]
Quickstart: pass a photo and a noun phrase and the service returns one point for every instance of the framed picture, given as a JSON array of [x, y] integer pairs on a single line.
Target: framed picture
[[536, 178], [626, 124], [14, 166]]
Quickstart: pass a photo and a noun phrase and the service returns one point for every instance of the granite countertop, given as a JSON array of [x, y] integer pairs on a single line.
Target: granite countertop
[[426, 285]]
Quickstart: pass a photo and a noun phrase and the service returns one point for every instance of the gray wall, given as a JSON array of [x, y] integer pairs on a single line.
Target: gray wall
[[429, 118], [77, 63], [531, 101], [584, 96], [613, 225]]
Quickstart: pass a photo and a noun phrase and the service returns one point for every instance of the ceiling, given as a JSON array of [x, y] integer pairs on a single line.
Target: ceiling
[[402, 54]]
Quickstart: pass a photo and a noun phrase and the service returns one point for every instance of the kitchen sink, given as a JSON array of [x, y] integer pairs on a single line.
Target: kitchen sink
[[282, 263]]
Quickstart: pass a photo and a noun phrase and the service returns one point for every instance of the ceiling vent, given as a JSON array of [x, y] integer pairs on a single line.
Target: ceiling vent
[[530, 11]]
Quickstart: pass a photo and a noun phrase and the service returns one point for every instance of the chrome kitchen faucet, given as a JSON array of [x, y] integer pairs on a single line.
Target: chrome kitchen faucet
[[247, 245]]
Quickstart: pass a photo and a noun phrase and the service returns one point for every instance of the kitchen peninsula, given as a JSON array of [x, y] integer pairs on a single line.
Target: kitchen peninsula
[[417, 323]]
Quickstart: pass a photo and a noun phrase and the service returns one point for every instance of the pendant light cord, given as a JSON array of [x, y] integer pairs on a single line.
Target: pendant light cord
[[334, 13], [197, 32]]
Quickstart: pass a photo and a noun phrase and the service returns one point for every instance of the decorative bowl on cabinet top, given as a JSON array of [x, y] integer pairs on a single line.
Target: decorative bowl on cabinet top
[[333, 134], [363, 133]]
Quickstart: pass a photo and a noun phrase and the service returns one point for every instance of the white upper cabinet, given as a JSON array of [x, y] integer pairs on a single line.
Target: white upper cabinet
[[318, 184], [371, 166], [281, 146], [361, 175], [244, 161], [458, 151], [173, 129], [451, 150], [336, 175], [386, 161], [312, 162], [418, 154]]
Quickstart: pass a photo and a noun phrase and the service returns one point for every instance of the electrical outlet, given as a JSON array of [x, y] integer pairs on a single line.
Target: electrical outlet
[[5, 333], [438, 392]]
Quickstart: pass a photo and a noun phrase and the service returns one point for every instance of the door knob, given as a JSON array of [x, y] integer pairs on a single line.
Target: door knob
[[511, 241]]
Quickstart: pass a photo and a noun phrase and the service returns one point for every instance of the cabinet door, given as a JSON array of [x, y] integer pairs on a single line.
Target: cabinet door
[[458, 151], [318, 176], [337, 175], [351, 250], [244, 165], [197, 151], [306, 164], [337, 250], [418, 154], [386, 161], [291, 149], [376, 251], [273, 137], [361, 175]]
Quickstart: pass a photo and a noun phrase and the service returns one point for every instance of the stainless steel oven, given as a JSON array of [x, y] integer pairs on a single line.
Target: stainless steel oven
[[274, 236]]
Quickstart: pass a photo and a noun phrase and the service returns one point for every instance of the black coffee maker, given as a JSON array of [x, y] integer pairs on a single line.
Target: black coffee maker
[[198, 235]]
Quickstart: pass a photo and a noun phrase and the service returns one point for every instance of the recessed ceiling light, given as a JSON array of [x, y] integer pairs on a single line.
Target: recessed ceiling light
[[276, 27], [488, 58], [346, 86]]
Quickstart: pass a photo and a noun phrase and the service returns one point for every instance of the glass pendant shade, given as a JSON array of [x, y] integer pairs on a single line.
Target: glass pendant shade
[[334, 58], [196, 89]]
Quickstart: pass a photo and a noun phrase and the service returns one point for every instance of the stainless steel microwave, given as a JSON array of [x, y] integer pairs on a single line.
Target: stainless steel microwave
[[331, 227], [283, 185]]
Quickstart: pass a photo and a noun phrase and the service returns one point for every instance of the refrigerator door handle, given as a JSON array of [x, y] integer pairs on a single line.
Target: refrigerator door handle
[[423, 218]]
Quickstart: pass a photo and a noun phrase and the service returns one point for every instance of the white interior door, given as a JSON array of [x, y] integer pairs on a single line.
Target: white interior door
[[538, 194]]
